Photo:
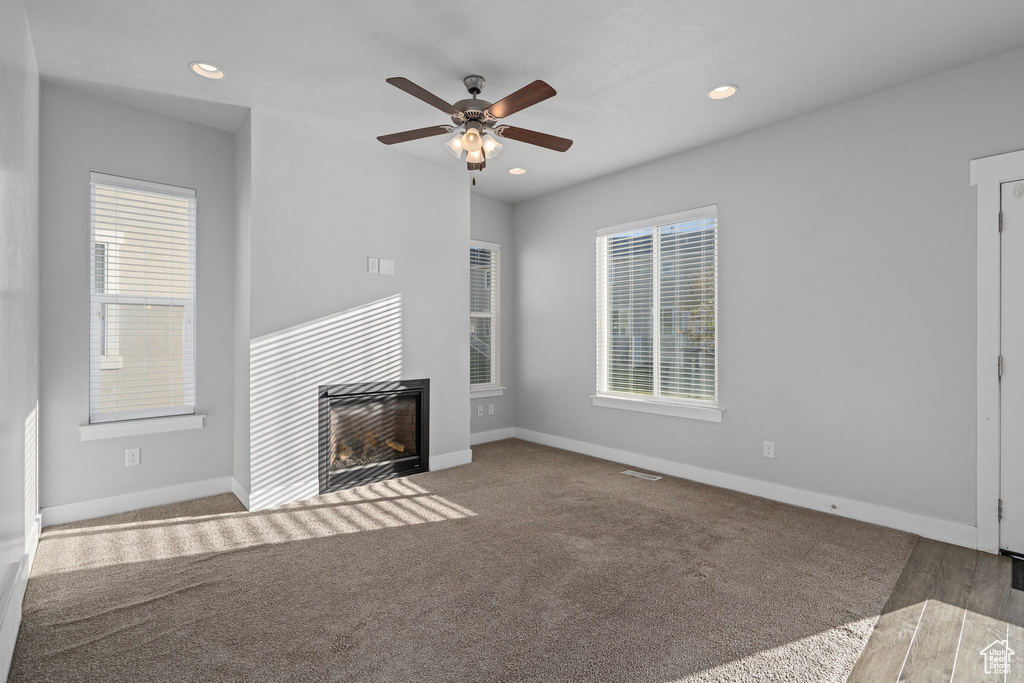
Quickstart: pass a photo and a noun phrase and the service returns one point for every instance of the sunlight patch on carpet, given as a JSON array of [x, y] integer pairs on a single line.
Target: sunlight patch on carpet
[[824, 657], [382, 505]]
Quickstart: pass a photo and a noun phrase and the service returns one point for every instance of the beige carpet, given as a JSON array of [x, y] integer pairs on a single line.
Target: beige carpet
[[531, 564]]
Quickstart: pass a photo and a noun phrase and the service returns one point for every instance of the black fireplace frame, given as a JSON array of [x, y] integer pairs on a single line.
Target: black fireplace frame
[[366, 474]]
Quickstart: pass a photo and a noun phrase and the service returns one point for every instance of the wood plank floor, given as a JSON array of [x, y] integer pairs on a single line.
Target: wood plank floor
[[949, 604]]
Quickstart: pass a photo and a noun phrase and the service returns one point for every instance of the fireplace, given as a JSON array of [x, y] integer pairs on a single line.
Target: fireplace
[[372, 431]]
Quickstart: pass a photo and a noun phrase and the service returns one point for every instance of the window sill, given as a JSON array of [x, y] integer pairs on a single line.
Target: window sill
[[486, 392], [151, 425], [691, 412], [111, 363]]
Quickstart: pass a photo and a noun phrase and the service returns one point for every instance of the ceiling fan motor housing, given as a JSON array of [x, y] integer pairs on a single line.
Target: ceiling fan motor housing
[[473, 110]]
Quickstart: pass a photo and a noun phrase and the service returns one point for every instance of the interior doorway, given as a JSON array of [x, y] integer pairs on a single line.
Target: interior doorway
[[1010, 367]]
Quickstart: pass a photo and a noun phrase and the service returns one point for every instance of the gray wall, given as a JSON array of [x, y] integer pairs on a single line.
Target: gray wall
[[321, 204], [847, 294], [82, 134], [243, 245], [492, 221], [19, 282]]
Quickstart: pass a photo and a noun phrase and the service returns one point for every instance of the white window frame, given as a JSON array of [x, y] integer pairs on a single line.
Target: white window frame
[[494, 387], [99, 364], [660, 405]]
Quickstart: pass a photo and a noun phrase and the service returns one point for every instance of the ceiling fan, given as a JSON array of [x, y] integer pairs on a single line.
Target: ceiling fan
[[477, 123]]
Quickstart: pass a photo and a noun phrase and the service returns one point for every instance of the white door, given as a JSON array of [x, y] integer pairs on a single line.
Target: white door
[[1011, 385]]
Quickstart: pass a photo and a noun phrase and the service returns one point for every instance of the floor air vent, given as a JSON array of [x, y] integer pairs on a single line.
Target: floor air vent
[[641, 475]]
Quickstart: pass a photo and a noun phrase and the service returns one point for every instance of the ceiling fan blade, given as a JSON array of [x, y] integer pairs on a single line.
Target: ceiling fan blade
[[538, 91], [406, 136], [532, 137], [428, 97]]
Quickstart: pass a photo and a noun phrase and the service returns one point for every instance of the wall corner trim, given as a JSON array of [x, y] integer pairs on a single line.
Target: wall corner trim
[[241, 493], [443, 462], [492, 435], [921, 525]]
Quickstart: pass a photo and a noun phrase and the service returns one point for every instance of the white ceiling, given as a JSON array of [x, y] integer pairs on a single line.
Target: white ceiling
[[631, 76]]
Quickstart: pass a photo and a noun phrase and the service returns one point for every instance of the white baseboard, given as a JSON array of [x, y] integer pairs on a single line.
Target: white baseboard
[[443, 462], [13, 581], [921, 525], [87, 509], [493, 435], [241, 493]]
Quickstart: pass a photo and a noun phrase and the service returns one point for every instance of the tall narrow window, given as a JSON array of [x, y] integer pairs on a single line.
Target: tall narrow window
[[657, 309], [143, 293], [483, 314]]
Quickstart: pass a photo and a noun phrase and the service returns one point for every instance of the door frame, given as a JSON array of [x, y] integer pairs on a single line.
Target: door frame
[[987, 174]]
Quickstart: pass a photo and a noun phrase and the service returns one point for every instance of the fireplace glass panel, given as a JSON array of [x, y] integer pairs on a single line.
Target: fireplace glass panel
[[369, 430]]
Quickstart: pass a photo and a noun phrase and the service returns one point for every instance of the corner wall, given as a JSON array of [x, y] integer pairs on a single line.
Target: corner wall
[[19, 317], [323, 203], [82, 134], [492, 221], [847, 296], [243, 301]]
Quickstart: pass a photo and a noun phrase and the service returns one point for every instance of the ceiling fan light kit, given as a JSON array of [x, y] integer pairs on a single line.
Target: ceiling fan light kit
[[476, 121]]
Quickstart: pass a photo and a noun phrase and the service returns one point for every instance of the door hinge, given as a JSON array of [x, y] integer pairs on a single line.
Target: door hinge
[[1000, 221], [1000, 509], [999, 367]]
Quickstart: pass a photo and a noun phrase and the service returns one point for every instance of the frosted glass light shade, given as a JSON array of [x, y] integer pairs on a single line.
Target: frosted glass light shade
[[475, 157], [455, 146], [491, 147], [471, 140]]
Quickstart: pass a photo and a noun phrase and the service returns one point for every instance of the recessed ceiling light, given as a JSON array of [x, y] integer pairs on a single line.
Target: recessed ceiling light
[[206, 70], [517, 171], [722, 91]]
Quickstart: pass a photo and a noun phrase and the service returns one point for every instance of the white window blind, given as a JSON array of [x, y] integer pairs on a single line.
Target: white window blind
[[484, 259], [142, 284], [657, 308]]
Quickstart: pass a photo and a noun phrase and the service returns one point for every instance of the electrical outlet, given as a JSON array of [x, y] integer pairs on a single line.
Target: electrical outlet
[[479, 411], [132, 456], [769, 449], [372, 264], [490, 409]]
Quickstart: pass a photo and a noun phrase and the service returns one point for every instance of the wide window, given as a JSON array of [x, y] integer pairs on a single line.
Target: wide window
[[657, 309], [142, 284], [484, 259]]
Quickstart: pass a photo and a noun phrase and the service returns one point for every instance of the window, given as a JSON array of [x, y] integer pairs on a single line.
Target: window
[[142, 332], [657, 283], [483, 314]]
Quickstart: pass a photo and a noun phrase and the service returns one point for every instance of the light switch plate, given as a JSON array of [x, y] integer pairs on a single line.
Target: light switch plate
[[387, 266], [371, 264]]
